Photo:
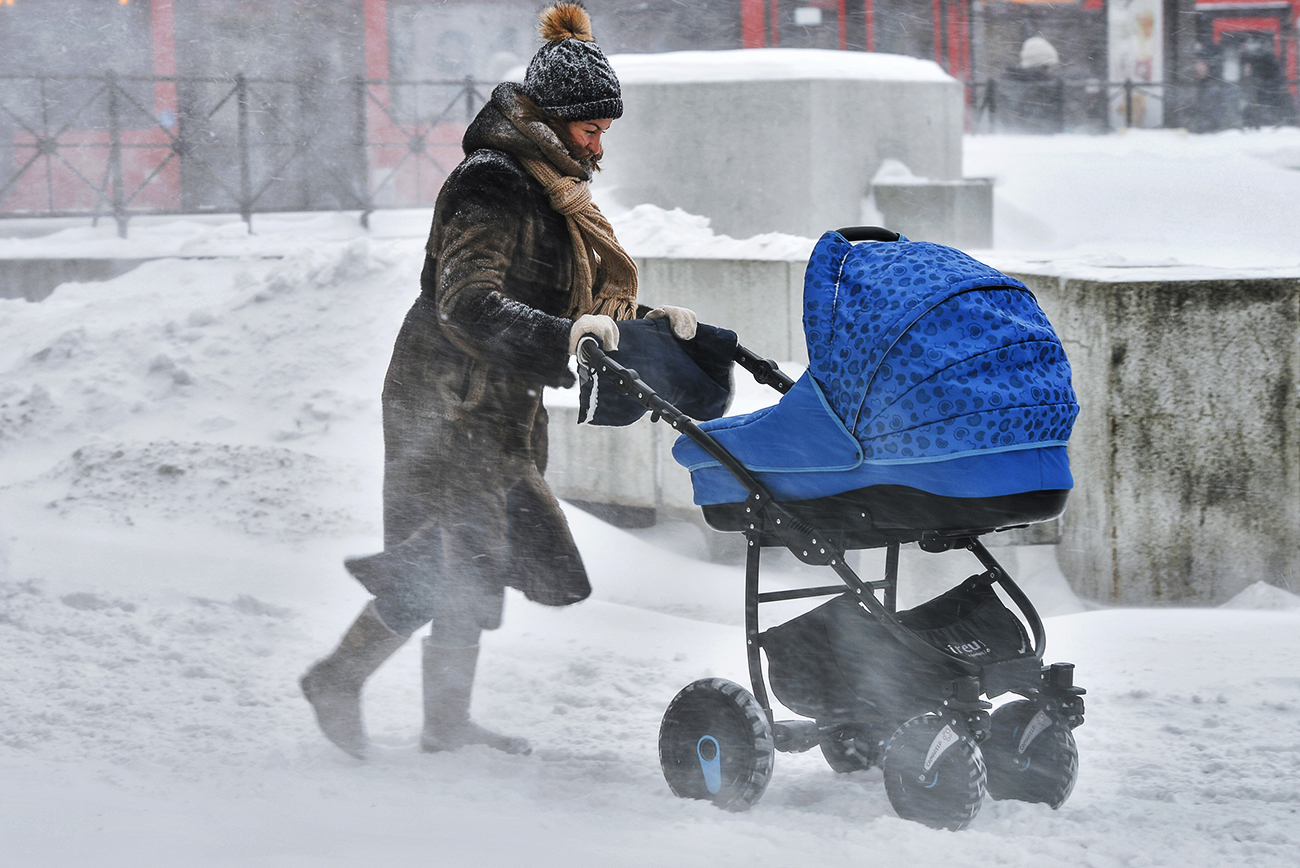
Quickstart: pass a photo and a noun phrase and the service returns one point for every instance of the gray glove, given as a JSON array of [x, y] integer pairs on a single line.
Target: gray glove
[[680, 319], [598, 326]]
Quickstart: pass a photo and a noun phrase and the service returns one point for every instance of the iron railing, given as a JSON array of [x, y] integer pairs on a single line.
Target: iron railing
[[103, 147], [1091, 105], [120, 146]]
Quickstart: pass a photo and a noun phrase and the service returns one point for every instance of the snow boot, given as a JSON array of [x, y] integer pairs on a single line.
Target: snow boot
[[333, 685], [448, 682]]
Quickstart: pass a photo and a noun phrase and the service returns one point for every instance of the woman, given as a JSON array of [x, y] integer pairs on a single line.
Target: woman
[[519, 265]]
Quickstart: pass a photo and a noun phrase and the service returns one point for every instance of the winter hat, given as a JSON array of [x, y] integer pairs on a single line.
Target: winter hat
[[569, 76], [1037, 52]]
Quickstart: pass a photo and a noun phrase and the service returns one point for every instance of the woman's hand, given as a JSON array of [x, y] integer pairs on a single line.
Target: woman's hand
[[598, 326], [681, 320]]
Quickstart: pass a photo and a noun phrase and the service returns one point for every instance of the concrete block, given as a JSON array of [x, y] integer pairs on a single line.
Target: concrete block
[[760, 300], [956, 213], [591, 464], [1187, 475], [790, 145], [631, 469]]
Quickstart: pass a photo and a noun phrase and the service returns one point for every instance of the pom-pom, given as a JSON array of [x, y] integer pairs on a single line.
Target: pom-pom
[[566, 21]]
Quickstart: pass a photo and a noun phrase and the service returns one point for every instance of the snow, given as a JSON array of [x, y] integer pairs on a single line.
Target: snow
[[1145, 204], [650, 231], [188, 451]]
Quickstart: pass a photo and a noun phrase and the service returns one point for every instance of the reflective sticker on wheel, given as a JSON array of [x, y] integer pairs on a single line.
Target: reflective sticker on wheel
[[1033, 730], [944, 740], [710, 756]]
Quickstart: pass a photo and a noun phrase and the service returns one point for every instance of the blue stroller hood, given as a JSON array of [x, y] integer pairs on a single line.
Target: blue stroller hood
[[924, 352], [927, 369]]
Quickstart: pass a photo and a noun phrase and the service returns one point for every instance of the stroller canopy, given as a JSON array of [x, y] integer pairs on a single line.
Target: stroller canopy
[[924, 352], [926, 368]]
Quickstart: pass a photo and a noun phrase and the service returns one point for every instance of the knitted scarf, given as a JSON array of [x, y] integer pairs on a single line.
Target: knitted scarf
[[604, 276]]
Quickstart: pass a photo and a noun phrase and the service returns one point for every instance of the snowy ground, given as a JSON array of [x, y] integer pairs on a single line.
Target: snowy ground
[[188, 451]]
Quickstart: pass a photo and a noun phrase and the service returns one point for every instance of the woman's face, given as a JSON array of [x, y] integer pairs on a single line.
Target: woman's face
[[586, 135]]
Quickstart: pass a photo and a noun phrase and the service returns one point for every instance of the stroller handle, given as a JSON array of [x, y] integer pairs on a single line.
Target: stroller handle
[[591, 355], [868, 233], [584, 352]]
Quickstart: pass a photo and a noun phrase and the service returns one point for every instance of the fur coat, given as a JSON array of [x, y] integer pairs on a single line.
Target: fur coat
[[466, 511]]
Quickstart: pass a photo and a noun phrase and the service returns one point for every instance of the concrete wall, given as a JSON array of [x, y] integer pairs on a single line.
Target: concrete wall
[[955, 213], [793, 155], [1186, 455], [760, 300]]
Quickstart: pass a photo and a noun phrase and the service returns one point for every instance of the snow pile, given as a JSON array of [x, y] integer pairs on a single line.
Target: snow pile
[[260, 491], [651, 231], [1193, 205], [1264, 596]]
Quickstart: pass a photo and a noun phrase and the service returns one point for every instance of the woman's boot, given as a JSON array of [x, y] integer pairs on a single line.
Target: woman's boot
[[448, 682], [333, 685]]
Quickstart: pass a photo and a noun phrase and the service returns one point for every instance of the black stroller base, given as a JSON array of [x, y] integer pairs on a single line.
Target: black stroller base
[[906, 691], [876, 516]]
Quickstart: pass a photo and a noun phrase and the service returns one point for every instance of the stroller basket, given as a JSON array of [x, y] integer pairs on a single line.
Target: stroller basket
[[935, 409], [837, 663]]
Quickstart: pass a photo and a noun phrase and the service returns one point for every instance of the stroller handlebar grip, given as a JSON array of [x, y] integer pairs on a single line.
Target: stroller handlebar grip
[[868, 233], [590, 350]]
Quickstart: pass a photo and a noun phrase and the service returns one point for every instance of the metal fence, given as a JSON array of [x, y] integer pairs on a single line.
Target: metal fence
[[119, 146], [1046, 104]]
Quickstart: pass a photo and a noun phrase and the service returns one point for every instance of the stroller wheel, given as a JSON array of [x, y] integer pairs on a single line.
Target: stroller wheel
[[934, 773], [849, 747], [716, 743], [1031, 755]]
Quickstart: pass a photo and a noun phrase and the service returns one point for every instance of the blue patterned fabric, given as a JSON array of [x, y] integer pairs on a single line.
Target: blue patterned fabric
[[923, 351], [924, 364]]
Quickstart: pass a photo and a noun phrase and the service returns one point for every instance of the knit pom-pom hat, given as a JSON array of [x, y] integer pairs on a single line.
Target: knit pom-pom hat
[[569, 76]]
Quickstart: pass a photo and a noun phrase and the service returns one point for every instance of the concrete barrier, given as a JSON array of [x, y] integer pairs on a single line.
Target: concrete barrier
[[629, 472], [778, 140], [1185, 455], [955, 213], [760, 300], [35, 279]]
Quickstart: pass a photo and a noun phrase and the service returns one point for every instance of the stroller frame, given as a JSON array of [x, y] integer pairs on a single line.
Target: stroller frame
[[770, 523]]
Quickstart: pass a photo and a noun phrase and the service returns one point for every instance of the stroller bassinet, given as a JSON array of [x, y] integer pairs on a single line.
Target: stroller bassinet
[[937, 397], [935, 409]]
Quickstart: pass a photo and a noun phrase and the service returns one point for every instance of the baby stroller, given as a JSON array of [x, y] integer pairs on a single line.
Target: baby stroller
[[935, 410]]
